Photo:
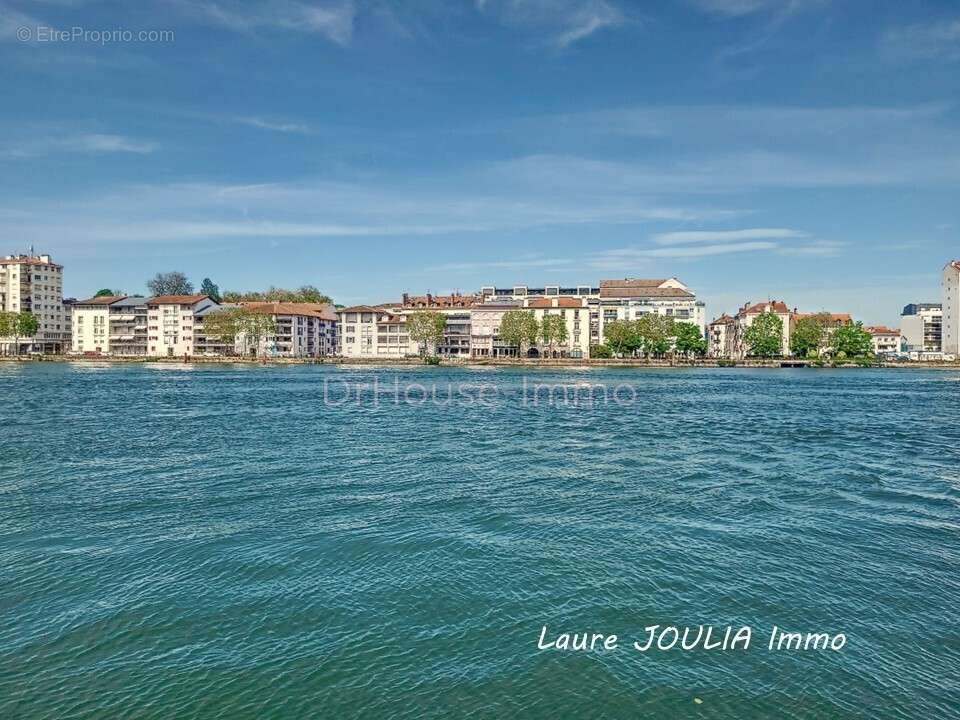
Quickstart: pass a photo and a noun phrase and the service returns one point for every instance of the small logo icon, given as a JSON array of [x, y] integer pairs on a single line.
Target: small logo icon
[[24, 34]]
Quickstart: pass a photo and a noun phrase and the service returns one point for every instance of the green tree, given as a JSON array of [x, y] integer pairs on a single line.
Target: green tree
[[519, 328], [426, 327], [304, 294], [256, 327], [851, 340], [621, 337], [18, 325], [601, 351], [553, 330], [170, 283], [764, 337], [224, 325], [809, 335], [107, 292], [310, 294], [8, 321], [654, 331], [689, 340], [209, 288]]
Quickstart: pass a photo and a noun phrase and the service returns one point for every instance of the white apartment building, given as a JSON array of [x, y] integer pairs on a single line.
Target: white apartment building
[[921, 325], [171, 324], [34, 284], [630, 299], [485, 321], [109, 325], [951, 308], [304, 330], [885, 340], [576, 317], [370, 332], [520, 294]]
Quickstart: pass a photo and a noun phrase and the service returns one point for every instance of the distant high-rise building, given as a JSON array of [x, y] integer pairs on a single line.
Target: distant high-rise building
[[34, 284]]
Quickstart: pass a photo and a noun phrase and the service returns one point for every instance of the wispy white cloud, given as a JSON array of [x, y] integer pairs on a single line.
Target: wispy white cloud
[[101, 143], [322, 210], [275, 125], [816, 248], [930, 41], [562, 22], [91, 143], [333, 20], [737, 8], [719, 236]]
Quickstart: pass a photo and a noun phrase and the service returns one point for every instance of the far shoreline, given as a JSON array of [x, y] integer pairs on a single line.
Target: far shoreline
[[520, 363]]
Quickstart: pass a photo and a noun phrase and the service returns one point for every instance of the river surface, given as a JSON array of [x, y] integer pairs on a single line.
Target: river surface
[[238, 542]]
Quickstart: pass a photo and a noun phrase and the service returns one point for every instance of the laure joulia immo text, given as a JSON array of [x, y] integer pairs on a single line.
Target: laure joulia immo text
[[664, 638]]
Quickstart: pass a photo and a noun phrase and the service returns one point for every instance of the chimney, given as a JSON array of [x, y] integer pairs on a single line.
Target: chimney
[[406, 298]]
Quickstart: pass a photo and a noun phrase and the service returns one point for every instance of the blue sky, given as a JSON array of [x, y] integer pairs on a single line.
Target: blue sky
[[807, 150]]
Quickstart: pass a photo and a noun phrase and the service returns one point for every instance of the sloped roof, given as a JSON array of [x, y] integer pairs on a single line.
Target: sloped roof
[[542, 303], [776, 306], [639, 287], [176, 299], [102, 300], [316, 310]]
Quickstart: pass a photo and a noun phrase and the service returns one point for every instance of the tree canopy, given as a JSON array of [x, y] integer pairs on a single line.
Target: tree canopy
[[851, 340], [519, 328], [689, 339], [809, 335], [303, 294], [229, 324], [209, 288], [553, 330], [170, 283], [426, 327], [764, 337], [107, 292]]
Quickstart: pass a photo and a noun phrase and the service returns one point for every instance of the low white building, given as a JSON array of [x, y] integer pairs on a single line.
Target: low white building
[[370, 332], [951, 308], [304, 330], [171, 324], [109, 325], [885, 340]]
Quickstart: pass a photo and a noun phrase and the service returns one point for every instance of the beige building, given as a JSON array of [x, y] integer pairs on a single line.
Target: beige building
[[34, 284], [109, 325], [748, 313], [171, 324], [370, 332], [885, 340], [485, 320], [721, 334], [630, 299], [951, 308], [576, 317]]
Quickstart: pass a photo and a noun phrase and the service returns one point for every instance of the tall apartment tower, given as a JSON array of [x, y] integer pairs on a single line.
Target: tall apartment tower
[[951, 308], [34, 284]]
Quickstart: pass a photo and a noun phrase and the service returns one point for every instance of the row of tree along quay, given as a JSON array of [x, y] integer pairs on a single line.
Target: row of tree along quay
[[817, 339], [176, 283], [18, 325]]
